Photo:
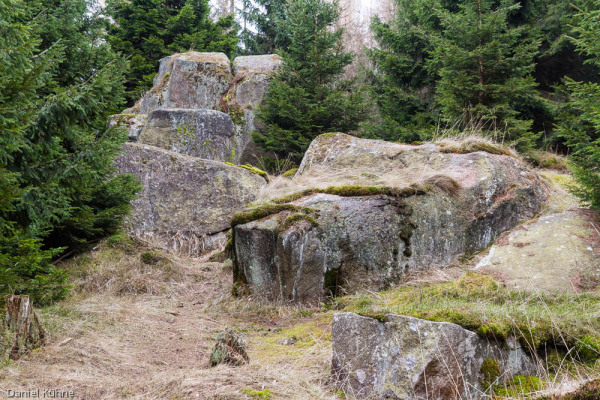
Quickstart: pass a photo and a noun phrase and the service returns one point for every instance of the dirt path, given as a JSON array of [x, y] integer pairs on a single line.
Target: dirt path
[[158, 346]]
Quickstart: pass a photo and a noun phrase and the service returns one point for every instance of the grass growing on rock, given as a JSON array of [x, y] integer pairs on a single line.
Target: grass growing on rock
[[356, 190], [481, 304], [263, 211]]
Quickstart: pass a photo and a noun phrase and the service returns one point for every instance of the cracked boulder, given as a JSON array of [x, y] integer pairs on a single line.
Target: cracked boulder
[[207, 134], [405, 358], [186, 202], [433, 208]]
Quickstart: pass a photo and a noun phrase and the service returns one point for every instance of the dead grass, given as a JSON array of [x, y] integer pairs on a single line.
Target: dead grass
[[119, 338], [469, 142]]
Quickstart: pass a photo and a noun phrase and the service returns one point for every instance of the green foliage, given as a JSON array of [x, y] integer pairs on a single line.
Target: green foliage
[[148, 30], [579, 122], [400, 82], [473, 63], [307, 96], [268, 21], [58, 82], [485, 68]]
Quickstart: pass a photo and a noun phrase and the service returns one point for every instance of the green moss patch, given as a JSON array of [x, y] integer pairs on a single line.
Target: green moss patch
[[355, 191], [481, 304], [265, 210], [252, 169], [290, 172], [258, 394], [490, 369], [295, 218], [518, 386]]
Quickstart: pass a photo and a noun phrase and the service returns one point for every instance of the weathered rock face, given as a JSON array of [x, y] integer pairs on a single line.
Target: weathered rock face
[[263, 64], [186, 202], [206, 134], [189, 80], [169, 116], [336, 244], [558, 253], [412, 359]]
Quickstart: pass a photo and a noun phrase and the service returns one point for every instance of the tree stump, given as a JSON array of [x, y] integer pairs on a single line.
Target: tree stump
[[22, 327]]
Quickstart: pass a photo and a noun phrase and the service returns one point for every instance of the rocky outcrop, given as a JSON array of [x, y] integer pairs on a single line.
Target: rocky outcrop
[[185, 202], [189, 80], [346, 239], [187, 87], [398, 357], [558, 253], [206, 134]]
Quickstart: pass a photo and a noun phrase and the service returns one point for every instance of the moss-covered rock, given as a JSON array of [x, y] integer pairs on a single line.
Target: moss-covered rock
[[409, 358], [368, 237], [207, 134]]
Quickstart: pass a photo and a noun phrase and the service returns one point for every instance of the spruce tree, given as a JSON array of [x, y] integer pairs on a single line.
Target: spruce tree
[[400, 82], [264, 26], [62, 190], [580, 121], [24, 266], [148, 30], [485, 67], [307, 96]]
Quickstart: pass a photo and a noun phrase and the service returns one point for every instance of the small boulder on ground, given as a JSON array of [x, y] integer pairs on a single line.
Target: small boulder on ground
[[230, 348], [405, 358]]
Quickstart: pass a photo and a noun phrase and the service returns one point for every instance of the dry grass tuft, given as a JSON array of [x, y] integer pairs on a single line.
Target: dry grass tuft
[[116, 269], [470, 143]]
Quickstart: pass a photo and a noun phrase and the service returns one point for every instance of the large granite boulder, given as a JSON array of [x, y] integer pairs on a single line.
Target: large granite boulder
[[345, 239], [207, 134], [189, 80], [186, 202], [412, 359]]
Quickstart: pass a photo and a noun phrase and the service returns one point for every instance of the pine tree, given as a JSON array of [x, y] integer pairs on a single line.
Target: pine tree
[[580, 121], [268, 21], [307, 97], [485, 68], [400, 82], [148, 30]]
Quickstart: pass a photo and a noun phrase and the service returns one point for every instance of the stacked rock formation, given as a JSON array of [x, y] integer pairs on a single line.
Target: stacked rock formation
[[187, 133]]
